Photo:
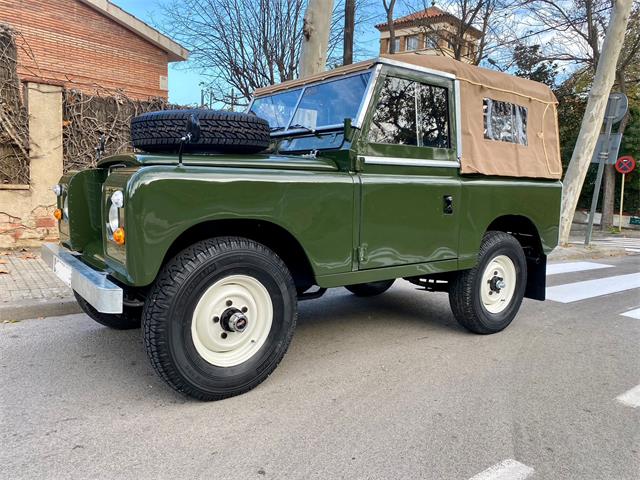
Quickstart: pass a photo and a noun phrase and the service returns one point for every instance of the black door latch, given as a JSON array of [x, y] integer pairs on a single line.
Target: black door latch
[[447, 204]]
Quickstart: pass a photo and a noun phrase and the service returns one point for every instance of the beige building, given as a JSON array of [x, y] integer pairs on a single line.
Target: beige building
[[431, 31]]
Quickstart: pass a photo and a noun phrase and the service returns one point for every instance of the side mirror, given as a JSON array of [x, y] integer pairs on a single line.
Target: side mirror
[[193, 129]]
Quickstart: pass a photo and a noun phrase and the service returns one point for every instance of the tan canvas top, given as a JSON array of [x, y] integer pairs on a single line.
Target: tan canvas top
[[539, 158]]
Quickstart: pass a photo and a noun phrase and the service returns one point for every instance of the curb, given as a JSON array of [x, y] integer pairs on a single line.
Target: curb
[[15, 311], [578, 252]]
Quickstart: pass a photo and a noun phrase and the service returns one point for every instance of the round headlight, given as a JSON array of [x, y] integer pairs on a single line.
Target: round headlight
[[117, 199], [57, 189], [114, 218]]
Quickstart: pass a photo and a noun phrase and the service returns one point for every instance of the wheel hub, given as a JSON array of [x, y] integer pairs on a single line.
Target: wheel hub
[[233, 320], [497, 283]]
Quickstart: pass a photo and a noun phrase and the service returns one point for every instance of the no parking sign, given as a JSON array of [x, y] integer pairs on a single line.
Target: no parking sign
[[625, 164]]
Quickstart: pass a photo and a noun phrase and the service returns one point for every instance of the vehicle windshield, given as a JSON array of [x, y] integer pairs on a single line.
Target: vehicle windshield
[[313, 107]]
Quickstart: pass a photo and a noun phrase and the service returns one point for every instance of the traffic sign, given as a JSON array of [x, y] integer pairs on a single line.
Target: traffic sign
[[607, 148], [625, 164], [617, 107]]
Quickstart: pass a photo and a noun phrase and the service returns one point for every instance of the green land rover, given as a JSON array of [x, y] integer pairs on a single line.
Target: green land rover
[[412, 167]]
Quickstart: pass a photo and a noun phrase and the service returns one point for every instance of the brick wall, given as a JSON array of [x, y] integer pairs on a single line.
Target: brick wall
[[76, 45]]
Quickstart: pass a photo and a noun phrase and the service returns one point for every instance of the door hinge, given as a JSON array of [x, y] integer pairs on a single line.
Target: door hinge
[[361, 251], [359, 163]]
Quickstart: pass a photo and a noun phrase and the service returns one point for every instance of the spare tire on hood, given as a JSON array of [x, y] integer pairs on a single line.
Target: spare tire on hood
[[220, 132]]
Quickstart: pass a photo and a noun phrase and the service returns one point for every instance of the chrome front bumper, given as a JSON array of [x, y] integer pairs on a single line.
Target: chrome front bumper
[[104, 295]]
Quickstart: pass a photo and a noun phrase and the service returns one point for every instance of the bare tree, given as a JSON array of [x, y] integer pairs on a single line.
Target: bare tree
[[239, 44], [603, 81], [388, 8], [574, 31]]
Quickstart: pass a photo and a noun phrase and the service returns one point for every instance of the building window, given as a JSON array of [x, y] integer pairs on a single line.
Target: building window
[[396, 44], [412, 42], [431, 42], [504, 122], [411, 113]]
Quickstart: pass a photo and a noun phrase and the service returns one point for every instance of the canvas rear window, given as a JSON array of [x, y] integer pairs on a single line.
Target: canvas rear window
[[504, 121]]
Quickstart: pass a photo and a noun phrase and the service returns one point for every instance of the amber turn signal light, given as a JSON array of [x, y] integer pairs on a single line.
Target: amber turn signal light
[[57, 213], [118, 236]]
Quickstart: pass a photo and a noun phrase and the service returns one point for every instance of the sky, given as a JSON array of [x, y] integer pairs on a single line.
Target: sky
[[184, 80]]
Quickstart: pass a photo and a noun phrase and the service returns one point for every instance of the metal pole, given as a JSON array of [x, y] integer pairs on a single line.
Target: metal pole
[[604, 154], [621, 200]]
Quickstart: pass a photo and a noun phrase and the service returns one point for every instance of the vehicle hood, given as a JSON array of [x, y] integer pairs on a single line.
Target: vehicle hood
[[279, 162]]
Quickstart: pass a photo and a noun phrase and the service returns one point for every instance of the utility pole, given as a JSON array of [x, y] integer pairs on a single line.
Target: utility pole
[[315, 37], [349, 25], [594, 114]]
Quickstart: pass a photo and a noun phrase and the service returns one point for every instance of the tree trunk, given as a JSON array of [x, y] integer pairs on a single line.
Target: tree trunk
[[349, 24], [594, 114], [315, 37], [392, 29]]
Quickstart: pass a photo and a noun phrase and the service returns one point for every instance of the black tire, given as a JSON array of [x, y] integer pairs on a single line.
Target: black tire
[[370, 289], [168, 316], [465, 294], [127, 320], [220, 132]]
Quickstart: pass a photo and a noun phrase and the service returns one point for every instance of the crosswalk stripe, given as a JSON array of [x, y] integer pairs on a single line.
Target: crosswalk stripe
[[557, 268], [572, 292], [632, 313], [506, 470], [630, 398]]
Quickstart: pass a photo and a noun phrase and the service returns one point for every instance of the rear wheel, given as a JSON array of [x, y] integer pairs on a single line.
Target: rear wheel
[[220, 317], [370, 289], [486, 298], [127, 320]]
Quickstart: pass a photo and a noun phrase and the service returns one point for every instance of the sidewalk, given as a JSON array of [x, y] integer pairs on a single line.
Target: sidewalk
[[29, 289]]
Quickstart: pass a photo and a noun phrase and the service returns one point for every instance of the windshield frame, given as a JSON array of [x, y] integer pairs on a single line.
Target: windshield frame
[[358, 118]]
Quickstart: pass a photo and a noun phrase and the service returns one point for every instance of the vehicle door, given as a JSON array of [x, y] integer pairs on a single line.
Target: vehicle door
[[408, 172]]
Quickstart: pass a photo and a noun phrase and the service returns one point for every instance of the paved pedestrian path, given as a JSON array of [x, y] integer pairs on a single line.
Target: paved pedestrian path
[[29, 289]]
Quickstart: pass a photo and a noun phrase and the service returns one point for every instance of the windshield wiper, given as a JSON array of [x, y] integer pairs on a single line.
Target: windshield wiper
[[276, 129]]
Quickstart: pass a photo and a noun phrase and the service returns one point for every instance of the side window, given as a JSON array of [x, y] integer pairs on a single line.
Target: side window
[[394, 120], [433, 116], [504, 122], [411, 113]]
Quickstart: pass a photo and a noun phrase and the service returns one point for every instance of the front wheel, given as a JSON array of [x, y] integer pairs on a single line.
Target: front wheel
[[219, 317], [486, 298]]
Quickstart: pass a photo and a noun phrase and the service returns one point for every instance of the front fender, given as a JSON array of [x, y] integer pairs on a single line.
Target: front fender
[[162, 202]]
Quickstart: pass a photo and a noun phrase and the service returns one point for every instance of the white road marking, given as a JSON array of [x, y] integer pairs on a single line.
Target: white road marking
[[506, 470], [630, 398], [632, 313], [572, 292], [556, 268]]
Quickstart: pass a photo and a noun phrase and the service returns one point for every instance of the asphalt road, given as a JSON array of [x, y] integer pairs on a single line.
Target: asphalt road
[[385, 388]]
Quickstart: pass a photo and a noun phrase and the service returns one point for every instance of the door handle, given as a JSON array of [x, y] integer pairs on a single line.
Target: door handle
[[447, 204]]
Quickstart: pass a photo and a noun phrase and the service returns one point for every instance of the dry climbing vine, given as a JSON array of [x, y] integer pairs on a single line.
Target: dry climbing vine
[[14, 124], [88, 117]]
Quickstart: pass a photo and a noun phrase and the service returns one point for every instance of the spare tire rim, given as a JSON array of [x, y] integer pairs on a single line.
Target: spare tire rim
[[498, 284], [232, 320]]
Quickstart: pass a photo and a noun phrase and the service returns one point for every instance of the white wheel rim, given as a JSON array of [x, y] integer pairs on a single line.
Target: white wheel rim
[[218, 345], [498, 284]]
